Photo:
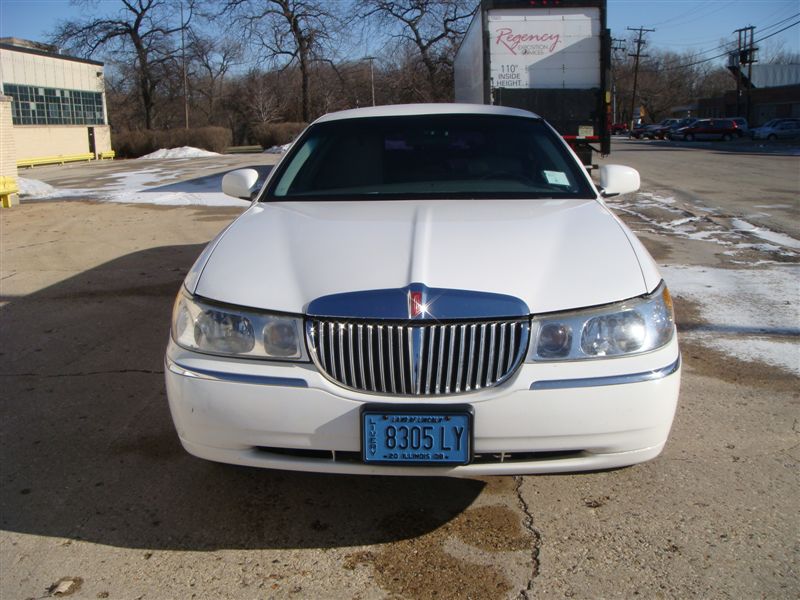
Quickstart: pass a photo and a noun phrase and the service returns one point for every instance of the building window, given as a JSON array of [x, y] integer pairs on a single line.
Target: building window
[[47, 106]]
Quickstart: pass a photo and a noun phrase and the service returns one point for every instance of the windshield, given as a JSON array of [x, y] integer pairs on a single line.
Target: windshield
[[430, 156]]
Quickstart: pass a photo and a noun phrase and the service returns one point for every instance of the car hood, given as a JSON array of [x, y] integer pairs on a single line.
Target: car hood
[[551, 254]]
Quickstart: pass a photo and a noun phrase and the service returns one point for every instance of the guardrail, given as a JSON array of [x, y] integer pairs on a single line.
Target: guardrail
[[64, 158], [54, 160]]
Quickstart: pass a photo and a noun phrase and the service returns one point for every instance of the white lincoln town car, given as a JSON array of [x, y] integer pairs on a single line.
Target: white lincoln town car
[[425, 290]]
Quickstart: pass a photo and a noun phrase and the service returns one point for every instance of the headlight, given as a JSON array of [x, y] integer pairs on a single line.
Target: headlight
[[630, 327], [234, 331]]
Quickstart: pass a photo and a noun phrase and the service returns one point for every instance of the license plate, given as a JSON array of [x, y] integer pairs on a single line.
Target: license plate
[[416, 438]]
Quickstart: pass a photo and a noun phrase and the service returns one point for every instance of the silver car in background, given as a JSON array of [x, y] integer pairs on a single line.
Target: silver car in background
[[777, 129]]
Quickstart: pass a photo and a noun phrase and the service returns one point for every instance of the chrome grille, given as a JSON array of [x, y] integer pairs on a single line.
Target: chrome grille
[[419, 358]]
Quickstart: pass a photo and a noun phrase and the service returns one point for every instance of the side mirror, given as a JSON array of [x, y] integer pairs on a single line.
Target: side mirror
[[618, 179], [240, 183]]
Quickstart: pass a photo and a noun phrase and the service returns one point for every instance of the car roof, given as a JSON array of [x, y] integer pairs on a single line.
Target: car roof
[[403, 110]]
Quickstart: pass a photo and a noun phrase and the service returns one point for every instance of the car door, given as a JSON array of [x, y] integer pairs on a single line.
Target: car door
[[705, 130]]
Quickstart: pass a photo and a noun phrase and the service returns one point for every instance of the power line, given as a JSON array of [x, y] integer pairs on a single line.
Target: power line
[[705, 60], [763, 28], [682, 20]]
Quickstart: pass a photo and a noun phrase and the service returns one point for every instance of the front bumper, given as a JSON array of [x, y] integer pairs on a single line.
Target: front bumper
[[547, 418]]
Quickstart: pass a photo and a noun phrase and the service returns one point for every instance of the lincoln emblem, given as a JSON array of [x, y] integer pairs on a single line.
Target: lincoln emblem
[[415, 305]]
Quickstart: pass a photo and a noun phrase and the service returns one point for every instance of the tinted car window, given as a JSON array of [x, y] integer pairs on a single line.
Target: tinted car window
[[453, 156]]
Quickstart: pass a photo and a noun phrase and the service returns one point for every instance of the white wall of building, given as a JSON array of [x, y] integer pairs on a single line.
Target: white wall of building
[[31, 69], [20, 66]]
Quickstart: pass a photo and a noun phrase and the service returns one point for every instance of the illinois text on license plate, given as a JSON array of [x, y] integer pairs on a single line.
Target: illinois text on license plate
[[421, 438]]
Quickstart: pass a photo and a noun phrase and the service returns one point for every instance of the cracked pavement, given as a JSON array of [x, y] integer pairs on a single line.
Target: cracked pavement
[[98, 497]]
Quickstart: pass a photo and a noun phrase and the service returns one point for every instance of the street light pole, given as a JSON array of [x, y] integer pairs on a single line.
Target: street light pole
[[371, 60]]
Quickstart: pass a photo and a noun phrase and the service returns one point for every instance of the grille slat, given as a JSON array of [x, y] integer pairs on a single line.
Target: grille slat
[[390, 336], [418, 358], [431, 353], [490, 361], [470, 357], [373, 387], [353, 380], [460, 369], [380, 359], [360, 350]]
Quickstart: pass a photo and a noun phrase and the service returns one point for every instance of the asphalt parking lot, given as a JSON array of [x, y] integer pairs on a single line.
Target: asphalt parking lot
[[99, 498]]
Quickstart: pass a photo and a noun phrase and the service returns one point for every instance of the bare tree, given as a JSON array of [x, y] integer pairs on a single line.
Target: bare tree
[[141, 28], [212, 59], [668, 80], [294, 32], [434, 28]]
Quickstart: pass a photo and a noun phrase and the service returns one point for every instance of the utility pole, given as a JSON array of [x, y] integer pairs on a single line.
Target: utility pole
[[185, 79], [745, 55], [616, 45], [639, 43]]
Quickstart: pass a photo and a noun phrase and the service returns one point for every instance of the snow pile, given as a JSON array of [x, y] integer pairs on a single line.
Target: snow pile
[[34, 187], [277, 149], [752, 314], [184, 152]]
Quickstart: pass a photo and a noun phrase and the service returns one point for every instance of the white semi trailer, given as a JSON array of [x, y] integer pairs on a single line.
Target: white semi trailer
[[551, 57]]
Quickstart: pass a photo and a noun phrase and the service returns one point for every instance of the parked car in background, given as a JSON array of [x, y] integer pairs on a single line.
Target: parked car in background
[[709, 129], [638, 130], [741, 123], [651, 132], [771, 123], [619, 128], [435, 290], [681, 123], [777, 129], [660, 131]]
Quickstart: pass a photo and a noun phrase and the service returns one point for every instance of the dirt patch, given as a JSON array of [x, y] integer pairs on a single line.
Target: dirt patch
[[687, 314], [660, 250], [492, 528], [417, 567], [501, 485], [713, 363]]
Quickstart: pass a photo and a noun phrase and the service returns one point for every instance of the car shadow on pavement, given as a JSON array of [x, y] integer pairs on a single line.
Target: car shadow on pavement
[[89, 451]]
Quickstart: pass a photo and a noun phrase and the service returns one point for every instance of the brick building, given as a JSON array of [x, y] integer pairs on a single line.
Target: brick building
[[771, 91]]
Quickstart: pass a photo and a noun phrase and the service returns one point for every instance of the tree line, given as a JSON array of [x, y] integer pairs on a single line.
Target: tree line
[[243, 64], [247, 64]]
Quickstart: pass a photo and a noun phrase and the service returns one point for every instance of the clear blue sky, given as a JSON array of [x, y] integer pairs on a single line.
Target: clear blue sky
[[681, 25]]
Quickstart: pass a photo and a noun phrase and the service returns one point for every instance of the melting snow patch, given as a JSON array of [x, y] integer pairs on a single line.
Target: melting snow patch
[[184, 152], [783, 354], [766, 234], [656, 198], [751, 314], [34, 187], [138, 187], [654, 211]]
